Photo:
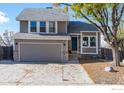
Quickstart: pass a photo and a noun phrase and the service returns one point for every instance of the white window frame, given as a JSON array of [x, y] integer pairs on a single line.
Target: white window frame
[[56, 27], [89, 46], [39, 27], [81, 42], [47, 27], [29, 26]]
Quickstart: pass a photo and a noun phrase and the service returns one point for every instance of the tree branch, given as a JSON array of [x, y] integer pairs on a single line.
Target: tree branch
[[104, 25], [121, 13]]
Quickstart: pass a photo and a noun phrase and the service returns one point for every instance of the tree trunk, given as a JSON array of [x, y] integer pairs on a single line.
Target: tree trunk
[[116, 56]]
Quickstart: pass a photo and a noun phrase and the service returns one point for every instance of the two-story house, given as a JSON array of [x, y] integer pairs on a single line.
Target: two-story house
[[49, 35]]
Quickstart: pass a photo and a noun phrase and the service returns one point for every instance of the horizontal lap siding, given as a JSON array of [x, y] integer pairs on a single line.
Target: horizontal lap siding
[[89, 50], [24, 26], [89, 33], [62, 27]]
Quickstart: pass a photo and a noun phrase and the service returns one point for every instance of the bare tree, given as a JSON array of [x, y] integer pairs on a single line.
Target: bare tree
[[7, 38]]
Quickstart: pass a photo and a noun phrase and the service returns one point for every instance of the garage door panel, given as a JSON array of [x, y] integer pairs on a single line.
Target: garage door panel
[[40, 52]]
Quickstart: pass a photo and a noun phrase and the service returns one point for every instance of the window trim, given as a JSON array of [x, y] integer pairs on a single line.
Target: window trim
[[47, 27], [81, 43], [56, 27], [90, 41], [89, 46], [29, 27]]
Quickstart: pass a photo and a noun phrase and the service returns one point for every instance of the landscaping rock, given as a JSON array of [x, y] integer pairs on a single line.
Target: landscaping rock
[[109, 69]]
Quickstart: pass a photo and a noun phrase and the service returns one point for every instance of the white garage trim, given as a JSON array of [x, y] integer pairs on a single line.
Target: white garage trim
[[62, 49]]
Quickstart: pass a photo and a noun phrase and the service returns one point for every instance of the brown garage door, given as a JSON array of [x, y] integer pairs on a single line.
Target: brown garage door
[[41, 52]]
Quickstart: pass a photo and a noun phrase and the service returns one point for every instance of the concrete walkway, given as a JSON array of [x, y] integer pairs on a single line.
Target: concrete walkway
[[74, 73], [43, 74]]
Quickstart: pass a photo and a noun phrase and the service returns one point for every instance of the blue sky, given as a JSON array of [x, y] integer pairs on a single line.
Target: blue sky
[[12, 10]]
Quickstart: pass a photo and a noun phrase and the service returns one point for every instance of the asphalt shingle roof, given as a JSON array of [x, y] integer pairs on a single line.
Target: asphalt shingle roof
[[43, 14], [40, 37], [77, 26]]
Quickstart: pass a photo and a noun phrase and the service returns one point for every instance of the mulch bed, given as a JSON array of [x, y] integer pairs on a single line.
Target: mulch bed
[[95, 69]]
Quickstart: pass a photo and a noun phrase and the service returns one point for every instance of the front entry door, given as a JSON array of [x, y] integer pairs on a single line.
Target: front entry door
[[74, 43]]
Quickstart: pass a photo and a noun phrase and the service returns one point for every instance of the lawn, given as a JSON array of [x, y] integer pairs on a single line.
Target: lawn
[[95, 69]]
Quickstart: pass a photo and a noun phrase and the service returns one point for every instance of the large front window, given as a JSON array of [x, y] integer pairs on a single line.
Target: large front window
[[92, 41], [89, 41], [85, 41], [52, 26], [42, 26], [33, 26]]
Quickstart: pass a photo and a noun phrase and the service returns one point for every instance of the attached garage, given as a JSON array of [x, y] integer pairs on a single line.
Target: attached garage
[[48, 52], [29, 47]]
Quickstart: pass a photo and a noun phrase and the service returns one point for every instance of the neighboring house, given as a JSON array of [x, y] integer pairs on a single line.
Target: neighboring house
[[49, 35]]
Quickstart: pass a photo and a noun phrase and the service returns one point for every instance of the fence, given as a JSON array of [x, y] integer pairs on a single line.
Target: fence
[[6, 52], [107, 54]]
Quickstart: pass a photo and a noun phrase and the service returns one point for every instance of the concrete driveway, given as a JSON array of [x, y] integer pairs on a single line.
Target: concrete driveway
[[43, 74]]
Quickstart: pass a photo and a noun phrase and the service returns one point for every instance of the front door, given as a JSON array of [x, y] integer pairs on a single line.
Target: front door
[[74, 43]]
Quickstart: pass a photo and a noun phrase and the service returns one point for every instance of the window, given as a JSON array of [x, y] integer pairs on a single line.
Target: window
[[33, 26], [89, 41], [92, 41], [42, 26], [85, 41], [51, 26]]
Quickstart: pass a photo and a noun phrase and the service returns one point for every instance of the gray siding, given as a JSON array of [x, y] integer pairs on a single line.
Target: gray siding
[[89, 33], [99, 39], [24, 26], [62, 27], [89, 50]]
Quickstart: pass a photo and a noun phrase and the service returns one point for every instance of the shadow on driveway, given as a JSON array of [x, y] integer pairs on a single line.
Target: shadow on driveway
[[13, 62]]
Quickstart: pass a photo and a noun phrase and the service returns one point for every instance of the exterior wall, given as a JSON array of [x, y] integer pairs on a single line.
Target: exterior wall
[[24, 26], [65, 47], [69, 45], [62, 27], [89, 33], [88, 50], [78, 43], [99, 46]]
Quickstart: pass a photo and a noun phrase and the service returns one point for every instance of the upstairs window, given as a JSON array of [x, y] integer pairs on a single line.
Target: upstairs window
[[52, 27], [42, 26], [33, 26]]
